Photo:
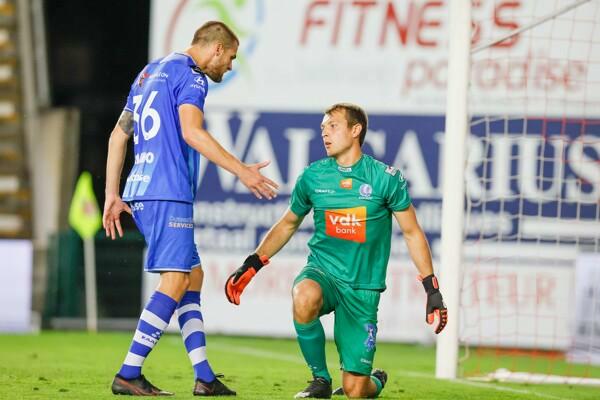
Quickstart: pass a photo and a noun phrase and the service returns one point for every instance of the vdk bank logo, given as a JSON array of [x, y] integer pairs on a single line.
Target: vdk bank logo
[[244, 17], [347, 223]]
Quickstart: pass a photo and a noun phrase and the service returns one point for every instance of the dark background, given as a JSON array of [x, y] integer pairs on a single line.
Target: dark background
[[95, 50]]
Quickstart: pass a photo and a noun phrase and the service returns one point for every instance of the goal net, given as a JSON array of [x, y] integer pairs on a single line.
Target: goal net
[[530, 292]]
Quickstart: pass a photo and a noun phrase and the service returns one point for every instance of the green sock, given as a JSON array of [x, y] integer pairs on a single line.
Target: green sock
[[311, 338], [377, 383]]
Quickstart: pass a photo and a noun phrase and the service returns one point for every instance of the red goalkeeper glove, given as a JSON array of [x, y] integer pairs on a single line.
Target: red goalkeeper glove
[[237, 282], [435, 303]]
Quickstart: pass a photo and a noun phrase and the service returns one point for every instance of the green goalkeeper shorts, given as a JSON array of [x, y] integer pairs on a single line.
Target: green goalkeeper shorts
[[355, 326]]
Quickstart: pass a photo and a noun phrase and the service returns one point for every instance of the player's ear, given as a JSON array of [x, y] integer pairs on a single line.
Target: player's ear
[[219, 49], [356, 128]]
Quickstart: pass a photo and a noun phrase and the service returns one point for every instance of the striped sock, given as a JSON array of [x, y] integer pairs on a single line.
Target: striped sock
[[192, 332], [153, 321]]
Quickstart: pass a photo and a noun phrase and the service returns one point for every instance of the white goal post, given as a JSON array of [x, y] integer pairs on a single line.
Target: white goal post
[[453, 194]]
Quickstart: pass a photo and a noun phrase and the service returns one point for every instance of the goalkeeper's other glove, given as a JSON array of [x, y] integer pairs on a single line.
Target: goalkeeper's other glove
[[237, 282], [435, 303]]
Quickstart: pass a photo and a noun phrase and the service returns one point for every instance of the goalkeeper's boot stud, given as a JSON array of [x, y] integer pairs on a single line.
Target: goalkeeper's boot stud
[[214, 388], [139, 386], [378, 373], [319, 388]]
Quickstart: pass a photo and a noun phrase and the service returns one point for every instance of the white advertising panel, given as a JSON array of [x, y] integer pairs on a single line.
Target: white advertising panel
[[585, 347], [16, 257], [521, 304]]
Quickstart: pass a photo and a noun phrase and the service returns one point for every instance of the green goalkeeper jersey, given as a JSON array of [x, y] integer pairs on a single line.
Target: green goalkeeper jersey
[[352, 212]]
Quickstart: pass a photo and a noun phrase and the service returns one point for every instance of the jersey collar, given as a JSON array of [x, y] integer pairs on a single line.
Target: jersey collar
[[191, 61], [349, 169]]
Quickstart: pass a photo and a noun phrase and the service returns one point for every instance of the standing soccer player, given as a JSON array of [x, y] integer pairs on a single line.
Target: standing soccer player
[[164, 114], [353, 197]]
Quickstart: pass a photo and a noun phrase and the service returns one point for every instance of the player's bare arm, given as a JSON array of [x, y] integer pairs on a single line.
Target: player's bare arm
[[117, 147], [274, 240], [279, 234], [419, 251], [191, 125], [125, 122], [416, 241]]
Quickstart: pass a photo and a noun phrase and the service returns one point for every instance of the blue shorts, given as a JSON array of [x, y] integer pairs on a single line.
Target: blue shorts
[[168, 227]]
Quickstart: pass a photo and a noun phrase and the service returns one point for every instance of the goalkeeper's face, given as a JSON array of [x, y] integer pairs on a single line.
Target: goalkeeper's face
[[338, 136]]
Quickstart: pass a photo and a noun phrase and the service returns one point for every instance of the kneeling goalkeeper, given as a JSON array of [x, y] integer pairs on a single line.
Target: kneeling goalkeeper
[[353, 197]]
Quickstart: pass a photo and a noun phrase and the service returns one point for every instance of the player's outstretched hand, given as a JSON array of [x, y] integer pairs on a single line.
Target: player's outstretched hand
[[435, 303], [258, 184], [237, 282], [111, 218]]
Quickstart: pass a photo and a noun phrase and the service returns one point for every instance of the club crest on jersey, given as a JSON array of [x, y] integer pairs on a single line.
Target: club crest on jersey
[[365, 191], [346, 183], [347, 224]]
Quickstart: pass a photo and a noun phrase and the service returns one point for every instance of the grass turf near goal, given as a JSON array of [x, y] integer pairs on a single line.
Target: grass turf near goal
[[73, 365]]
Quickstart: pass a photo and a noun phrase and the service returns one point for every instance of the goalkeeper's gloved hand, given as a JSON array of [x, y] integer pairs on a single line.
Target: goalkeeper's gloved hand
[[237, 282], [435, 303]]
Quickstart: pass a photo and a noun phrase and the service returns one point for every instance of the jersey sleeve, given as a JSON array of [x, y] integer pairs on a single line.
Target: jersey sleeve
[[300, 203], [397, 195], [193, 89], [129, 104]]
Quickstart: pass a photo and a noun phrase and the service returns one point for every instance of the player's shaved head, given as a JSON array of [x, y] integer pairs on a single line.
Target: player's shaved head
[[354, 115], [215, 31]]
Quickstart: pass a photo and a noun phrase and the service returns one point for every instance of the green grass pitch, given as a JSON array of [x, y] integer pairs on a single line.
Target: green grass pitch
[[75, 365]]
